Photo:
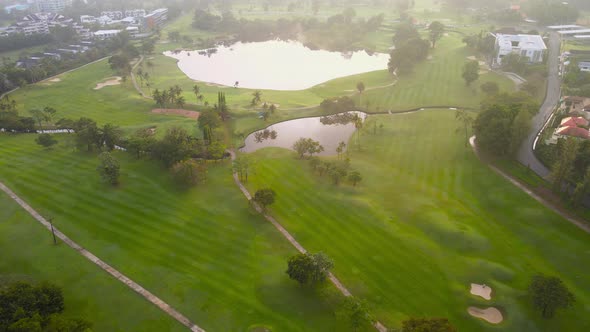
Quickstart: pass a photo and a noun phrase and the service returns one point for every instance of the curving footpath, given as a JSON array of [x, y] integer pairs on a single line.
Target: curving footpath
[[380, 327], [576, 221], [106, 267]]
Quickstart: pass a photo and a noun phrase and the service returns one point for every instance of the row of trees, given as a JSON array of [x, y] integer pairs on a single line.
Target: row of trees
[[170, 97], [337, 32]]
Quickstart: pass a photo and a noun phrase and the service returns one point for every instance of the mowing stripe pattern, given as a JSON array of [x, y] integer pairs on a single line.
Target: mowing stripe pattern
[[118, 275]]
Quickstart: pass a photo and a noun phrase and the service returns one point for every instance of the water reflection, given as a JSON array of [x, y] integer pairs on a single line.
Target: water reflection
[[275, 65], [328, 130]]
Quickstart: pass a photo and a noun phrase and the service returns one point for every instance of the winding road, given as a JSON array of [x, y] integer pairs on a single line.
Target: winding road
[[526, 155]]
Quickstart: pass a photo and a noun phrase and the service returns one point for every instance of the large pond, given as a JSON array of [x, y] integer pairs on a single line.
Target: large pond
[[274, 65], [328, 130]]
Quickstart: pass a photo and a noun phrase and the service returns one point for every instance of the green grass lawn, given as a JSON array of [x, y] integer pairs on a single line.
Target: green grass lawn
[[74, 97], [204, 251], [427, 220], [28, 254]]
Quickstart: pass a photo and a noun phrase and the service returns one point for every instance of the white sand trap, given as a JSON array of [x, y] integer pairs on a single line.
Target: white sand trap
[[111, 81], [482, 290], [55, 80], [490, 315], [471, 57]]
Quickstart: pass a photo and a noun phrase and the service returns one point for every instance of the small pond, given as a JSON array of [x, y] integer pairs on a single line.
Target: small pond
[[328, 130], [274, 65]]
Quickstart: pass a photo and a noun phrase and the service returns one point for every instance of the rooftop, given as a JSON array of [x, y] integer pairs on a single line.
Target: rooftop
[[520, 41]]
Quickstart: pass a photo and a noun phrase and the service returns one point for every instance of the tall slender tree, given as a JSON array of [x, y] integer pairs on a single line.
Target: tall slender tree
[[466, 121]]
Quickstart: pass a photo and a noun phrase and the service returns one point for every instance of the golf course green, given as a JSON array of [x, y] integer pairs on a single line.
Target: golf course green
[[427, 219]]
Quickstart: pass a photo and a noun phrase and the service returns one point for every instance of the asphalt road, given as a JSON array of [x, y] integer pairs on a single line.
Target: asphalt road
[[525, 153]]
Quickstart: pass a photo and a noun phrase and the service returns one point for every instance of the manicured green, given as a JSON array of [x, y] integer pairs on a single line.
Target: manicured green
[[427, 220], [28, 254], [204, 250]]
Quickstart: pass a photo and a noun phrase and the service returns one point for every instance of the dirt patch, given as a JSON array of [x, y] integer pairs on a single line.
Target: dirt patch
[[490, 315], [176, 111], [109, 82], [482, 290]]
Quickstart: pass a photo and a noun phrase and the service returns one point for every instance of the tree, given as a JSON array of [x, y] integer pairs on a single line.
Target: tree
[[355, 177], [435, 31], [197, 91], [403, 33], [174, 35], [120, 64], [470, 72], [308, 146], [407, 54], [358, 125], [30, 308], [521, 126], [490, 88], [87, 134], [207, 122], [108, 168], [174, 147], [46, 140], [264, 197], [242, 166], [355, 312], [38, 116], [492, 129], [309, 268], [110, 135], [360, 87], [548, 294], [582, 188], [340, 149], [465, 120], [563, 166], [189, 172], [427, 325], [256, 97]]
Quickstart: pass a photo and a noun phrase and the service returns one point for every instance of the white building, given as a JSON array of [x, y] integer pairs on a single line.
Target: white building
[[106, 34], [531, 46], [53, 5], [584, 66]]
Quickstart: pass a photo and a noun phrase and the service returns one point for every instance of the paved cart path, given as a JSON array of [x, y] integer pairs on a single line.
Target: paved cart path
[[106, 267]]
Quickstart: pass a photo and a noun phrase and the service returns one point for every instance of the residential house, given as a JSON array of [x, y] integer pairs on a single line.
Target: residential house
[[154, 19]]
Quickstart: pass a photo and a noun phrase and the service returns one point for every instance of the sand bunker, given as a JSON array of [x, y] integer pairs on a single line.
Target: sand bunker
[[181, 112], [471, 57], [54, 80], [490, 315], [110, 81], [482, 290]]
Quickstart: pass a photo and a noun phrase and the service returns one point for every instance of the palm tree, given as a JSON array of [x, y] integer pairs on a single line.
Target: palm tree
[[196, 91], [465, 119], [340, 149]]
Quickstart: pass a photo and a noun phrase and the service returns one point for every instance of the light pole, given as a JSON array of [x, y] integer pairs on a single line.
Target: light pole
[[52, 231]]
